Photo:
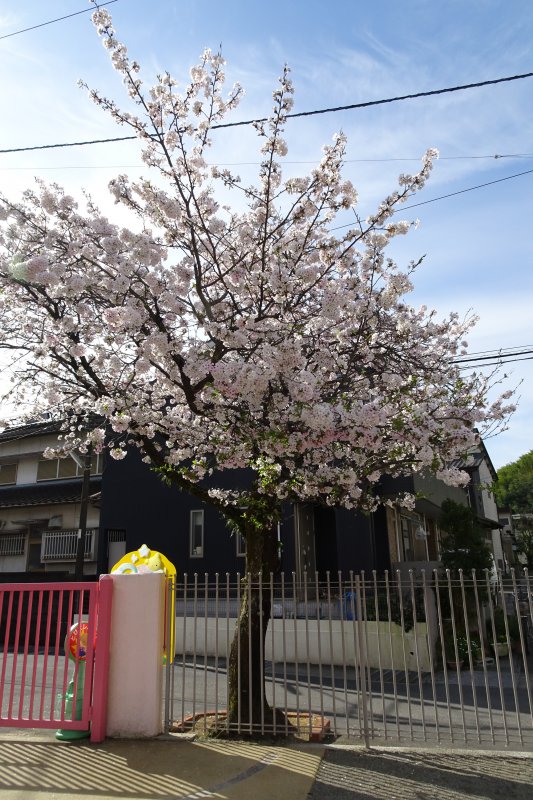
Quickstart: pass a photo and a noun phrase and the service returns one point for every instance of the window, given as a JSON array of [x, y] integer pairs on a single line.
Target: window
[[406, 539], [413, 538], [34, 552], [50, 469], [241, 545], [197, 534], [116, 535], [8, 474]]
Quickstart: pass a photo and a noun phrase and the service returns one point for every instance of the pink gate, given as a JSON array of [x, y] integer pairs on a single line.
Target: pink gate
[[41, 686]]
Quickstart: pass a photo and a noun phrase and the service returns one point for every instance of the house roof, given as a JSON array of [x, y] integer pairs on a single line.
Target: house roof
[[31, 429], [487, 522], [46, 493], [475, 458]]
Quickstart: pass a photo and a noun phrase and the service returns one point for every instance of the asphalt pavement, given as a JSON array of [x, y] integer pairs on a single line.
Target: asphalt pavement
[[437, 774]]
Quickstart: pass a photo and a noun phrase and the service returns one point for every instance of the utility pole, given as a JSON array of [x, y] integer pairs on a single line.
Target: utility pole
[[84, 505]]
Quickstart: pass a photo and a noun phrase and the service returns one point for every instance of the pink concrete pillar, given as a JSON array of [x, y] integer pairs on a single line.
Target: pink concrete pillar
[[101, 659]]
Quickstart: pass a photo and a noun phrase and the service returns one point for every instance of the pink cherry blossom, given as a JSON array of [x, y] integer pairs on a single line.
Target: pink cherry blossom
[[266, 339]]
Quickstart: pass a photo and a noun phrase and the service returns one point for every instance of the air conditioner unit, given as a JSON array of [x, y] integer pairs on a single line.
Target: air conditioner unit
[[56, 522]]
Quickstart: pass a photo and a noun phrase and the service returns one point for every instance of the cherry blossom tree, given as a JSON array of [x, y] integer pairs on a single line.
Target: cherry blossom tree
[[249, 336]]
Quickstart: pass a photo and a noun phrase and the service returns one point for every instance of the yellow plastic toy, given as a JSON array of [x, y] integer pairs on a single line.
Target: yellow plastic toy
[[145, 561]]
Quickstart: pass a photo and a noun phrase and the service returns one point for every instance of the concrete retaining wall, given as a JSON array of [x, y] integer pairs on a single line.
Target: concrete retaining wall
[[316, 641]]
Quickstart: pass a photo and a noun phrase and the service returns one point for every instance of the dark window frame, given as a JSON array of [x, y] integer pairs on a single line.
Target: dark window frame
[[194, 547]]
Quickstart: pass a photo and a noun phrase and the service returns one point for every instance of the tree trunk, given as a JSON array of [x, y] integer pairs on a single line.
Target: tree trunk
[[249, 712]]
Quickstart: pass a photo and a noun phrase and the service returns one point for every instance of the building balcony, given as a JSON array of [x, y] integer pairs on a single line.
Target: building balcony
[[12, 544], [62, 545]]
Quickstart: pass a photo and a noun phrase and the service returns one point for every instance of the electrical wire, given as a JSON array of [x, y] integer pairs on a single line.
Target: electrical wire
[[498, 354], [370, 103], [463, 191], [350, 107], [258, 163], [472, 360], [494, 357], [443, 197], [66, 144], [57, 19], [500, 350], [495, 363]]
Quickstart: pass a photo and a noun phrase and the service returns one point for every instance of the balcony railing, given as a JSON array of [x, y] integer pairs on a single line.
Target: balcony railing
[[12, 545], [62, 545]]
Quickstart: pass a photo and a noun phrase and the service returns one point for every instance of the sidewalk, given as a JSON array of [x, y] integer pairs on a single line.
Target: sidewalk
[[34, 766], [422, 774]]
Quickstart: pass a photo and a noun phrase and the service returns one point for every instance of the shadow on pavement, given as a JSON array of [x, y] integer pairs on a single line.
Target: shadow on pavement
[[152, 769], [384, 775]]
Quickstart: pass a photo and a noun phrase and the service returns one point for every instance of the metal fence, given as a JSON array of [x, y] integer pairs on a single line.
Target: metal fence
[[433, 658], [35, 674], [62, 545], [52, 675], [12, 545]]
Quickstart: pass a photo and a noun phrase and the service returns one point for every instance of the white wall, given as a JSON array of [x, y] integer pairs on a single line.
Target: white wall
[[136, 656], [497, 549], [385, 645], [489, 504], [116, 551], [16, 518], [490, 510], [30, 445], [27, 470], [13, 563]]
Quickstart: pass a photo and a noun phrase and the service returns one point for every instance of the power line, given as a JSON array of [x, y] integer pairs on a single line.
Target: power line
[[499, 356], [57, 19], [495, 363], [370, 103], [350, 225], [444, 196], [494, 358], [501, 350], [463, 191], [66, 144], [295, 115], [258, 163]]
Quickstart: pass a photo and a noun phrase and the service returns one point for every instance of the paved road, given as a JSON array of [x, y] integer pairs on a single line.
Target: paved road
[[422, 775], [401, 709]]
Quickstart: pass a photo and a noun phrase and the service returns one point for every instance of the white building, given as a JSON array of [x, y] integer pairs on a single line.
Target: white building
[[40, 503]]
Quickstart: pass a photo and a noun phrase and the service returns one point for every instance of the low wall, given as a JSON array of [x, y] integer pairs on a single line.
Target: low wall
[[386, 644]]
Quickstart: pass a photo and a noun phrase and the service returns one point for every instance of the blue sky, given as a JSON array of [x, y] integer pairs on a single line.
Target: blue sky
[[478, 245]]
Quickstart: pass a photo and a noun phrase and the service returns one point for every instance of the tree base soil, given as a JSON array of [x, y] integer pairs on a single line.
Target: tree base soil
[[300, 726]]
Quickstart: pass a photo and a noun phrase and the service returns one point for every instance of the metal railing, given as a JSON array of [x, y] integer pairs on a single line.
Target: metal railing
[[62, 545], [13, 544], [52, 674], [434, 657], [35, 620]]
